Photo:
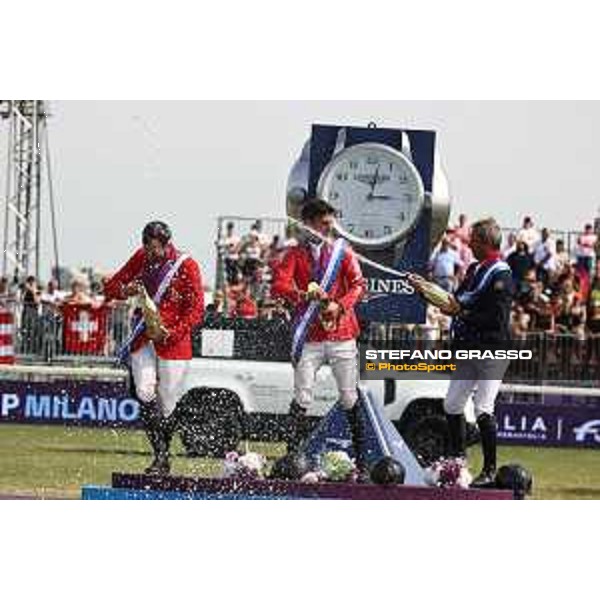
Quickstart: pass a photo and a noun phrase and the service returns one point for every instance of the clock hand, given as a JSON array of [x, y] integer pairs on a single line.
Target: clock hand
[[374, 180]]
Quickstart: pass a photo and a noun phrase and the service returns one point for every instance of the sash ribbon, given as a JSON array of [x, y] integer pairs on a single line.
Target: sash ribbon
[[138, 325], [312, 310]]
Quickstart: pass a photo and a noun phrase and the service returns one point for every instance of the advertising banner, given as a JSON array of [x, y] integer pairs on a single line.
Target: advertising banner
[[560, 421], [89, 403], [543, 425]]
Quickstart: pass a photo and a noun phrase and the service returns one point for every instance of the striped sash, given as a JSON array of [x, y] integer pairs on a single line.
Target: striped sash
[[138, 325], [469, 297], [312, 310]]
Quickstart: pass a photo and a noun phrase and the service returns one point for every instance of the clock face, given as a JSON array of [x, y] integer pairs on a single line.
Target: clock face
[[377, 193]]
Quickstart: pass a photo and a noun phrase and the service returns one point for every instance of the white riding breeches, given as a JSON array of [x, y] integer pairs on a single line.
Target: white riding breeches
[[158, 380], [483, 376], [341, 357]]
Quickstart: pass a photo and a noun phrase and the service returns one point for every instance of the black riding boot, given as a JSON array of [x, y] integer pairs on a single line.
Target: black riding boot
[[357, 431], [170, 425], [158, 436], [457, 435], [487, 429], [298, 427]]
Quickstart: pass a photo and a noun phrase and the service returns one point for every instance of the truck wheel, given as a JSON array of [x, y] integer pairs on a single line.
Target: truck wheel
[[211, 423], [427, 437]]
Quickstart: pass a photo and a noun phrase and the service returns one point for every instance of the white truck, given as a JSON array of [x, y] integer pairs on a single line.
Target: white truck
[[228, 398]]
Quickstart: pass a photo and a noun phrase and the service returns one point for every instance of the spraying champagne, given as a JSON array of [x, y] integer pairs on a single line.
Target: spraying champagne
[[429, 291], [154, 327]]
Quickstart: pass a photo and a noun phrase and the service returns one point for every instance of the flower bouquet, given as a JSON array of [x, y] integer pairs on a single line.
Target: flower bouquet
[[336, 465], [449, 473]]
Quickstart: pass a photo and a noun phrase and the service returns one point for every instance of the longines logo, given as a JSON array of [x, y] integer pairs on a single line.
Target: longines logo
[[380, 287]]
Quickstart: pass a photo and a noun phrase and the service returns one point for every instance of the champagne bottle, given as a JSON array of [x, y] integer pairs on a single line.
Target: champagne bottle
[[326, 324], [312, 291], [437, 296], [150, 313]]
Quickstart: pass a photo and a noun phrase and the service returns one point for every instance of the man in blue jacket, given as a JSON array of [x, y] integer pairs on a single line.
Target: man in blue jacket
[[481, 319]]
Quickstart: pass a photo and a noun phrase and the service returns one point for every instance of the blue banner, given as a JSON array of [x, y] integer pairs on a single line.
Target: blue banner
[[562, 420], [543, 425], [88, 403]]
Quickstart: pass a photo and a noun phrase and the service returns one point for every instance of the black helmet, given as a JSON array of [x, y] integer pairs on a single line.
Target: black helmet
[[387, 471], [516, 478], [290, 467]]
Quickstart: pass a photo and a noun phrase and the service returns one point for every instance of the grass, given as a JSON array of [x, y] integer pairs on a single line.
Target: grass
[[54, 462], [558, 473]]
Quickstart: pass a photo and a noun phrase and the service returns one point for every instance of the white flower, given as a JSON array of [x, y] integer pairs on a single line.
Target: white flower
[[252, 461], [249, 465], [311, 477]]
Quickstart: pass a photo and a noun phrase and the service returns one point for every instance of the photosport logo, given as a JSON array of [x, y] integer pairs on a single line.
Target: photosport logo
[[426, 361], [589, 431]]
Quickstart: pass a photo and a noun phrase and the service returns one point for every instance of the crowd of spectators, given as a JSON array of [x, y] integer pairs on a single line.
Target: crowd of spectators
[[557, 283], [34, 297], [39, 308], [554, 291], [249, 262]]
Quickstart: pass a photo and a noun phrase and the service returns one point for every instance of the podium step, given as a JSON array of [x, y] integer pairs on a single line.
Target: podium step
[[133, 486]]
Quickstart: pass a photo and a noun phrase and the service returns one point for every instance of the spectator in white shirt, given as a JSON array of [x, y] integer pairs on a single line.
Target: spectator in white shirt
[[229, 248], [586, 248], [263, 238], [445, 266], [528, 233], [511, 245], [52, 295], [544, 257], [251, 255]]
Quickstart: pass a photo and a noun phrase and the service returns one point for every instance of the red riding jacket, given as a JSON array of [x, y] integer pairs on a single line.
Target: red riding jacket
[[294, 274], [181, 307]]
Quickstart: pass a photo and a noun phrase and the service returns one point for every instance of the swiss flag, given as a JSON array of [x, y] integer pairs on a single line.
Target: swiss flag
[[84, 328]]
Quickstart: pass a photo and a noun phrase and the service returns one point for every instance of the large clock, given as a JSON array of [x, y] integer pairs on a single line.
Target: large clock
[[377, 192]]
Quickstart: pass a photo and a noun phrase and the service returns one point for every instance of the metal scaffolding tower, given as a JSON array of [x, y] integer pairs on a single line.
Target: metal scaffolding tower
[[27, 158]]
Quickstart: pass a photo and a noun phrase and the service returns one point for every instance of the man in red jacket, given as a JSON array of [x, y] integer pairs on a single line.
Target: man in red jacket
[[159, 360], [331, 337]]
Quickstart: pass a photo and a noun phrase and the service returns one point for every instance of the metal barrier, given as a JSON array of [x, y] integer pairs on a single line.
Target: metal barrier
[[558, 358], [45, 334], [68, 333]]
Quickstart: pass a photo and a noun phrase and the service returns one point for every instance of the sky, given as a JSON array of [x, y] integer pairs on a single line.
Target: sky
[[117, 165]]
